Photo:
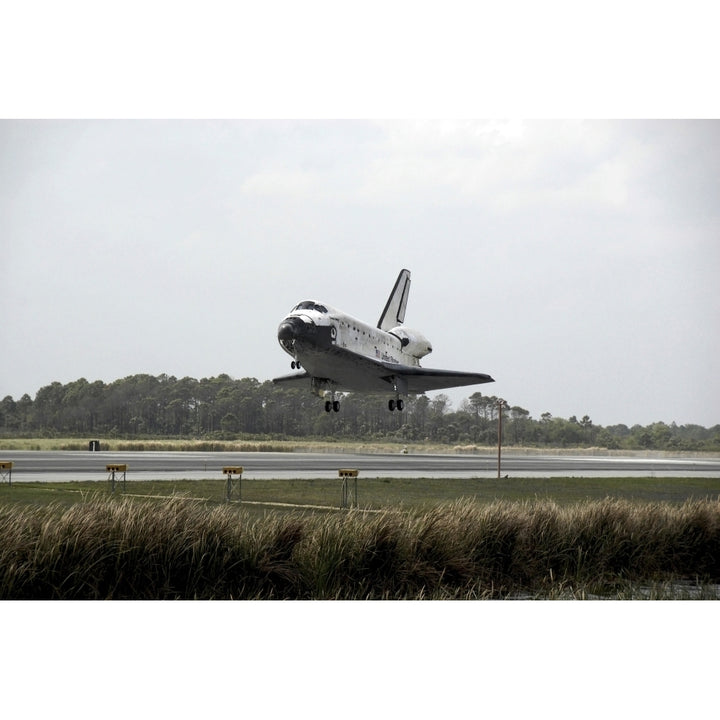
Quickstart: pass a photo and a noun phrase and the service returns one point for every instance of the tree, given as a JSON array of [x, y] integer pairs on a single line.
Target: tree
[[25, 410], [229, 423], [518, 423], [440, 404], [46, 408], [154, 406], [8, 414]]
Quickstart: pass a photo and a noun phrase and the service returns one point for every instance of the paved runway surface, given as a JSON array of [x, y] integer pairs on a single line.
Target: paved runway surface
[[84, 465]]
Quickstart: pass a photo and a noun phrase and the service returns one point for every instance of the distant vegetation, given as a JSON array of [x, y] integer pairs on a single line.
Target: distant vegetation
[[106, 548], [222, 408]]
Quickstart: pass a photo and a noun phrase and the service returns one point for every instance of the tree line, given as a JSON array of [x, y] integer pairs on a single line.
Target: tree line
[[227, 408]]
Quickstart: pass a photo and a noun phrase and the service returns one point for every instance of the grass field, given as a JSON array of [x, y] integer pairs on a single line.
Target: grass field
[[378, 493]]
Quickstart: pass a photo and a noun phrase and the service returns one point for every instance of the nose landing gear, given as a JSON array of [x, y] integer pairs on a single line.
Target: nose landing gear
[[399, 404]]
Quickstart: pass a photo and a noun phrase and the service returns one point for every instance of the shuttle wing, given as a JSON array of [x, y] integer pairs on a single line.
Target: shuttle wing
[[420, 380], [302, 378], [351, 371]]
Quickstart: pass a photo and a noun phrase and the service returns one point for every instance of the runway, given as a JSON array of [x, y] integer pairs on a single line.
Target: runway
[[40, 466]]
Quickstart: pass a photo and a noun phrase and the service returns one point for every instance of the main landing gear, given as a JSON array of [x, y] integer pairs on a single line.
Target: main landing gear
[[332, 404], [400, 387]]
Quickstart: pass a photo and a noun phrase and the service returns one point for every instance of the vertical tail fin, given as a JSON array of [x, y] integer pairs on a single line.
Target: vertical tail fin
[[394, 312]]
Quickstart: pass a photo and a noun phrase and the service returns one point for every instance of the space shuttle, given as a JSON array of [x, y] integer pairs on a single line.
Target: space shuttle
[[334, 352]]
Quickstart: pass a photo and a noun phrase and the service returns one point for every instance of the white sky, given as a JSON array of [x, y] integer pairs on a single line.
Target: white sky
[[576, 262]]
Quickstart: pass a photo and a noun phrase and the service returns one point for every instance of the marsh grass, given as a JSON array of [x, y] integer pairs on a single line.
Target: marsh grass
[[126, 549]]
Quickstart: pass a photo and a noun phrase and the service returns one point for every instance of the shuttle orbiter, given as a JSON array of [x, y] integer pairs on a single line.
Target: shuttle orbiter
[[337, 352]]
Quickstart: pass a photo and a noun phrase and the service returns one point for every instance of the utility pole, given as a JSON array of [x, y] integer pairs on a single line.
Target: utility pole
[[500, 405]]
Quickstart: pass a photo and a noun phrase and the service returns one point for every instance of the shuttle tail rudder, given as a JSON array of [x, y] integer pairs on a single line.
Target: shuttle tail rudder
[[394, 312]]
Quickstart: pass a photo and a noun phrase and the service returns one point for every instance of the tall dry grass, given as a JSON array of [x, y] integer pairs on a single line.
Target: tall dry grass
[[110, 549]]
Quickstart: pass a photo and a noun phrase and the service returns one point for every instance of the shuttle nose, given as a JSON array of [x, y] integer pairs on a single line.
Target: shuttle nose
[[291, 329]]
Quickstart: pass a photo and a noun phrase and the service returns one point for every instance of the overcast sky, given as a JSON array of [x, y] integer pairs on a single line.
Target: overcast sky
[[576, 262]]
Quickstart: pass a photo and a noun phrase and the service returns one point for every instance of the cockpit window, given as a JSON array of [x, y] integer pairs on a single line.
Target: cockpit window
[[310, 305]]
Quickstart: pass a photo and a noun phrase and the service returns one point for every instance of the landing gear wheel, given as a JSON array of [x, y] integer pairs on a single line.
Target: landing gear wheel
[[328, 406], [391, 405], [336, 406], [400, 405]]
